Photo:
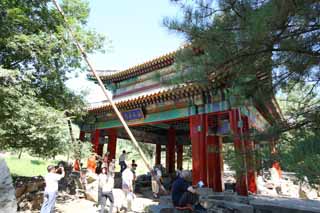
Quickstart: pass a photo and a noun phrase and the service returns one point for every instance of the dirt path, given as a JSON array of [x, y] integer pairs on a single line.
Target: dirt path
[[72, 205]]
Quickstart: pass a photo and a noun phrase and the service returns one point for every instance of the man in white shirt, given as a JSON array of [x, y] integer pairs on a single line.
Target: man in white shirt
[[51, 190], [122, 161], [106, 184], [155, 180], [127, 185]]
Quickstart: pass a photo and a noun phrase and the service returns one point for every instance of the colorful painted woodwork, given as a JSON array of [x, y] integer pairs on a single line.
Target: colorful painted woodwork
[[174, 116]]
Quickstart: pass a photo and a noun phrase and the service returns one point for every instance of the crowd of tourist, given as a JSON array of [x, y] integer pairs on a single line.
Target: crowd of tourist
[[183, 193]]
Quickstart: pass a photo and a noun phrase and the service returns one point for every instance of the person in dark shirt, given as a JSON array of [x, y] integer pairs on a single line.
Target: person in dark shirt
[[183, 194]]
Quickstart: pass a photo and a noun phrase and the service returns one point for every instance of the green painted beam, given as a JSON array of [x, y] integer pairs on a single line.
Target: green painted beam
[[155, 117]]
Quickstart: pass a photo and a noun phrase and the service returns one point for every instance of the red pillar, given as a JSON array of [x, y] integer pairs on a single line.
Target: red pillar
[[95, 140], [170, 152], [197, 136], [179, 156], [215, 163], [112, 143], [241, 186], [249, 146], [82, 135], [158, 154]]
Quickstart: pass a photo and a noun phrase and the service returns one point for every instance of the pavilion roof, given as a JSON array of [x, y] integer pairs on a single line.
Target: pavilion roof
[[148, 66]]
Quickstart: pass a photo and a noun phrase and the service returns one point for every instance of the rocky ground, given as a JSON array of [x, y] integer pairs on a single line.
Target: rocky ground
[[73, 198], [29, 192]]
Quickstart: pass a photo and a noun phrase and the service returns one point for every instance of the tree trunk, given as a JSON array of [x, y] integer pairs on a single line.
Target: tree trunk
[[20, 153]]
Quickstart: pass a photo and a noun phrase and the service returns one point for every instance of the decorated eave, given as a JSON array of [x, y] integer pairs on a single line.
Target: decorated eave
[[149, 66], [171, 93]]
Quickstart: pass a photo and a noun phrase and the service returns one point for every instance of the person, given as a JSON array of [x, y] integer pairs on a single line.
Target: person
[[99, 167], [133, 169], [134, 165], [76, 165], [112, 166], [127, 185], [265, 187], [122, 161], [261, 184], [183, 194], [155, 181], [105, 160], [106, 184], [91, 164], [275, 179], [51, 190]]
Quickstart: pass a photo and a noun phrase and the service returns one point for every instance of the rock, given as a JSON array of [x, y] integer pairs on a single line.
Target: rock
[[30, 201], [161, 208], [92, 191], [166, 200], [228, 206], [20, 190], [204, 192], [8, 201], [37, 201]]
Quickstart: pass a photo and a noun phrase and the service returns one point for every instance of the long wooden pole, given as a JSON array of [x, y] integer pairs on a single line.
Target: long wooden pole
[[105, 92]]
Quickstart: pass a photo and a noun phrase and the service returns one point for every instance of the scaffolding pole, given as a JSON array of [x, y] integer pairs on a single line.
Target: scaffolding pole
[[105, 92]]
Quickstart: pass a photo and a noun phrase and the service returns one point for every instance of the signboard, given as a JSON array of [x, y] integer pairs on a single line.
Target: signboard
[[134, 114]]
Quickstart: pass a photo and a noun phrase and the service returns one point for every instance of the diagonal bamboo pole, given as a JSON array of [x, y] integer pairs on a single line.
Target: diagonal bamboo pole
[[105, 92]]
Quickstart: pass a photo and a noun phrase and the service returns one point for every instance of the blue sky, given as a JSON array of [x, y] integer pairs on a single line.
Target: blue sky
[[136, 33]]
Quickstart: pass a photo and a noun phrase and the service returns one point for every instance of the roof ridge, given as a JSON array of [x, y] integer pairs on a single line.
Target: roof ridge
[[148, 66]]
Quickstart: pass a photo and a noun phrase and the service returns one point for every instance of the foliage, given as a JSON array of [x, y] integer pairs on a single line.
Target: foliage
[[244, 40], [33, 39], [258, 48], [300, 152], [299, 148], [28, 122], [34, 98]]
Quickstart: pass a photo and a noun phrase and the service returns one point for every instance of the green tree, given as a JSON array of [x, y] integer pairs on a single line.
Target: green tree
[[299, 147], [258, 48], [33, 38], [34, 98], [28, 122]]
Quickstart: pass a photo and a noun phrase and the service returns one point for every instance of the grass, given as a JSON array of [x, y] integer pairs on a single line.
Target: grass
[[27, 165], [32, 166]]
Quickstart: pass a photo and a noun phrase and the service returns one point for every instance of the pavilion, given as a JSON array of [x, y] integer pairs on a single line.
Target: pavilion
[[173, 116]]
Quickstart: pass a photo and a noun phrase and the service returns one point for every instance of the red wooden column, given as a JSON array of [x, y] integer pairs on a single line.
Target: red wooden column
[[249, 146], [241, 186], [112, 143], [82, 135], [197, 136], [179, 156], [215, 163], [95, 140], [170, 152], [158, 154]]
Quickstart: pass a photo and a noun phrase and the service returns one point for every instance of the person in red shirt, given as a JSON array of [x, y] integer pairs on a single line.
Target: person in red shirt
[[76, 166]]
